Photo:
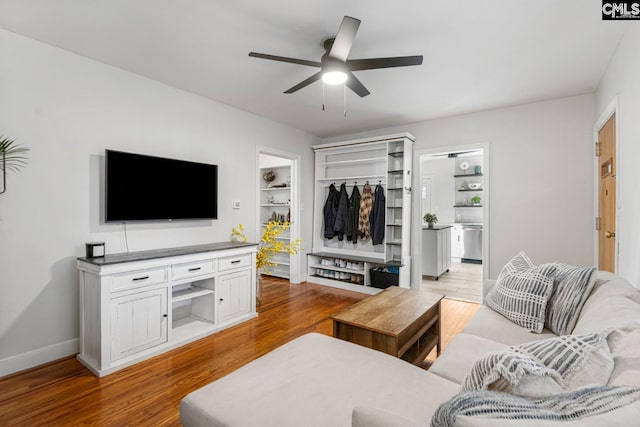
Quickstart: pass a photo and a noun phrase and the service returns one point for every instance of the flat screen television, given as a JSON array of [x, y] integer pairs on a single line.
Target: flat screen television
[[147, 188]]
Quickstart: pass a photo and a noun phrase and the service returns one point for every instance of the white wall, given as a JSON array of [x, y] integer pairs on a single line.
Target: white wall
[[541, 175], [443, 188], [68, 109], [621, 79]]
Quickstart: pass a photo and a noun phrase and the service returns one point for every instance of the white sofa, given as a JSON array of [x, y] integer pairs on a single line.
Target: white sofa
[[317, 380]]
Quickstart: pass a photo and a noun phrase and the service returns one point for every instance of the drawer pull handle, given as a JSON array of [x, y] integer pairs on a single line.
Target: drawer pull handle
[[235, 262], [136, 279], [194, 269]]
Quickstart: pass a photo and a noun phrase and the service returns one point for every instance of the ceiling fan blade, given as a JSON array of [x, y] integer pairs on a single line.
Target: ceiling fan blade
[[285, 59], [373, 63], [344, 38], [305, 83], [356, 85]]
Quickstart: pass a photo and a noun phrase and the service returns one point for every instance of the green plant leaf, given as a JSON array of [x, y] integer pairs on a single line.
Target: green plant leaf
[[15, 155]]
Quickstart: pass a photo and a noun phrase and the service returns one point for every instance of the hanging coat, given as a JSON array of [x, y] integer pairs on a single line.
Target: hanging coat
[[340, 223], [377, 217], [354, 215], [366, 203], [329, 211]]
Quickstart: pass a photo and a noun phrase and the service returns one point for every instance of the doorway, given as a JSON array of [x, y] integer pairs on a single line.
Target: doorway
[[277, 198], [606, 184], [452, 256]]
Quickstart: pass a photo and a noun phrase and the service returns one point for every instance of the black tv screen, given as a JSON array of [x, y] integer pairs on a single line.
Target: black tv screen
[[143, 188]]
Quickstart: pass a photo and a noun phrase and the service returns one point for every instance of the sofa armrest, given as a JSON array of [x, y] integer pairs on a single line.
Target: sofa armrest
[[486, 287]]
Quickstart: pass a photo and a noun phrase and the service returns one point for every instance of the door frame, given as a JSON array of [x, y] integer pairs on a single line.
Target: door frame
[[612, 108], [295, 276], [416, 223]]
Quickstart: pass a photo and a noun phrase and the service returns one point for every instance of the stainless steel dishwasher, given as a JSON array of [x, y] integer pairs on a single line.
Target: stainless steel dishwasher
[[471, 242]]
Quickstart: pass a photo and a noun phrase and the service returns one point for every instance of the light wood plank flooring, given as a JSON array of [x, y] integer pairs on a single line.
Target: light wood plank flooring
[[64, 393], [462, 282]]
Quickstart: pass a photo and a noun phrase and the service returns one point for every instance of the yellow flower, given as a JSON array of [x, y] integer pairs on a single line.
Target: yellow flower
[[269, 244]]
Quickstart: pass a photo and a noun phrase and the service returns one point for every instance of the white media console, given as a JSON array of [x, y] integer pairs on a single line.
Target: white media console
[[134, 306]]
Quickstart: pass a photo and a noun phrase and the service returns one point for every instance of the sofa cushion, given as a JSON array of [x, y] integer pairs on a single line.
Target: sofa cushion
[[586, 407], [625, 348], [572, 286], [490, 325], [316, 380], [545, 367], [458, 358], [366, 416], [522, 296], [613, 303]]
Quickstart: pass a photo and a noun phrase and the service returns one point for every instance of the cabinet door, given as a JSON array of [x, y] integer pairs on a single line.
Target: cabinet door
[[138, 322], [233, 292], [456, 246]]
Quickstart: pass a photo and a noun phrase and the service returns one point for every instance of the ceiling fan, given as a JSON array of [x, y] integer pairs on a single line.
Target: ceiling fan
[[335, 67]]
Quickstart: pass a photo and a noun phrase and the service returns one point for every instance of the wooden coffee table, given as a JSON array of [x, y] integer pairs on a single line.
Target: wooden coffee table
[[402, 322]]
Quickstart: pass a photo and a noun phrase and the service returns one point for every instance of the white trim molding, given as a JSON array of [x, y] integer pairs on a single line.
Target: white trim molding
[[39, 356], [416, 223]]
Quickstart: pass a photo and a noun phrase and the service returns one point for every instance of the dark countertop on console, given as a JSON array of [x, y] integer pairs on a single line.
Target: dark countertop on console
[[163, 253]]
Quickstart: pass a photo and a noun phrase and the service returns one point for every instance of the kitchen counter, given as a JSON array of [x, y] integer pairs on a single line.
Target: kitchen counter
[[436, 227]]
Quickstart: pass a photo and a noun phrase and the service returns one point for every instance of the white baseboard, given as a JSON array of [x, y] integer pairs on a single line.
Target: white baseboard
[[39, 356]]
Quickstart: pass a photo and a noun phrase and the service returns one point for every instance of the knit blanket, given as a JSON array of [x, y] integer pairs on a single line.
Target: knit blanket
[[545, 367], [577, 408]]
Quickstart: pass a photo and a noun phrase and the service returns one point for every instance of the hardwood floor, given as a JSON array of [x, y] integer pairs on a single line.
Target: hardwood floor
[[64, 393], [463, 282]]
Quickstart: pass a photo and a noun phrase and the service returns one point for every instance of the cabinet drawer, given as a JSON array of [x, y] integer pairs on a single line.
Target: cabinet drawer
[[231, 262], [192, 269], [139, 278]]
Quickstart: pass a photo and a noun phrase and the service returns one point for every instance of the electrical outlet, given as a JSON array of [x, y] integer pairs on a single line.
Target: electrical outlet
[[236, 204]]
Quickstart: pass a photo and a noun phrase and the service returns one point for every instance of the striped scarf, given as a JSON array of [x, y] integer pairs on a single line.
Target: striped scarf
[[366, 203]]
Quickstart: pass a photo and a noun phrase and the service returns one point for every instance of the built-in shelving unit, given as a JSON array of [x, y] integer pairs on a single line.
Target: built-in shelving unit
[[384, 161], [275, 201]]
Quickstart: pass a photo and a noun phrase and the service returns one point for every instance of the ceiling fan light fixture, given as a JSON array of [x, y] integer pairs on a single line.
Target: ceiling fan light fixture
[[334, 77]]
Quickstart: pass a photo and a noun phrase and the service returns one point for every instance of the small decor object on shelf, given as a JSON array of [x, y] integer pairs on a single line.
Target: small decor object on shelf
[[476, 200], [464, 166], [268, 177], [269, 246], [12, 157], [430, 218]]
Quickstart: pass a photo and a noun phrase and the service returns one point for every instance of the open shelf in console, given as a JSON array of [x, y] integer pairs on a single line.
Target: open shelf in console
[[193, 308]]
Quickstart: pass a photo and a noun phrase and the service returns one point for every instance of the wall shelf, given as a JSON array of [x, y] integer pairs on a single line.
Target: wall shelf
[[470, 189], [467, 175], [467, 206]]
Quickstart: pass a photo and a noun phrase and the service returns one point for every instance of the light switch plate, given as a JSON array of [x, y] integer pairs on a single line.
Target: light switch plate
[[236, 204]]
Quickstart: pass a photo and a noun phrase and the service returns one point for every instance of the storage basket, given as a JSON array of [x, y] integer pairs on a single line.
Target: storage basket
[[383, 279]]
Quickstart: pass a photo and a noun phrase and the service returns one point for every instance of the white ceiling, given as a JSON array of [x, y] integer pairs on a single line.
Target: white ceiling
[[478, 55]]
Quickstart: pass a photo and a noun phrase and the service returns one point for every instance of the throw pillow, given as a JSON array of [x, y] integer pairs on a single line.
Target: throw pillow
[[545, 367], [572, 286], [517, 263], [522, 296], [589, 406]]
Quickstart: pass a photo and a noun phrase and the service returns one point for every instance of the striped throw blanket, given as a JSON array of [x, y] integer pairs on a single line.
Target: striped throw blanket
[[481, 408], [545, 367]]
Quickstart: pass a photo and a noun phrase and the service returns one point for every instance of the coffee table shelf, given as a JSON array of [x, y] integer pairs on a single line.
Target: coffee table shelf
[[404, 323]]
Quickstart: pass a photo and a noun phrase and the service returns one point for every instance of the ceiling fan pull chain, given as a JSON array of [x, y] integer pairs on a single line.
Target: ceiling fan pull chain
[[322, 96], [344, 100]]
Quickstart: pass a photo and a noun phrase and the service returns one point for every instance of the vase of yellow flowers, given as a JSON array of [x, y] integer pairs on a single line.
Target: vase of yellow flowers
[[268, 247]]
